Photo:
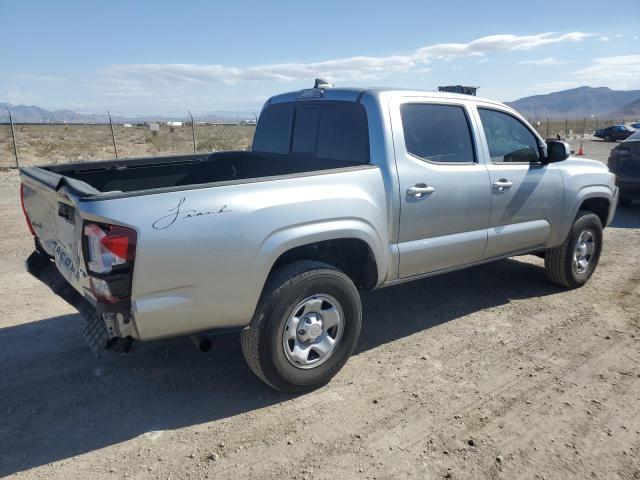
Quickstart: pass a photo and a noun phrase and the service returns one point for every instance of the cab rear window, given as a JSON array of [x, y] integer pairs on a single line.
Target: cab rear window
[[331, 130], [273, 132]]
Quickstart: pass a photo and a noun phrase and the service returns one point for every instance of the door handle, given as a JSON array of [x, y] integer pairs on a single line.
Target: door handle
[[502, 185], [420, 189]]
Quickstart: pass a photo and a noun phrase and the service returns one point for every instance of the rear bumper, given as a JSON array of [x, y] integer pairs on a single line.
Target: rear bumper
[[105, 326], [629, 186]]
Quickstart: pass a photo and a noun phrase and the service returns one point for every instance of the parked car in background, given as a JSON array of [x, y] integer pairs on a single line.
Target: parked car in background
[[636, 125], [614, 132], [624, 162]]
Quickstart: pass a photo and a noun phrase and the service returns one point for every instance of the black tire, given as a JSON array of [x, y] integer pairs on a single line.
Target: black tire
[[625, 202], [558, 261], [262, 342], [608, 139]]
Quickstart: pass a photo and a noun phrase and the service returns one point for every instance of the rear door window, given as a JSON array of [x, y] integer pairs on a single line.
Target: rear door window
[[437, 133]]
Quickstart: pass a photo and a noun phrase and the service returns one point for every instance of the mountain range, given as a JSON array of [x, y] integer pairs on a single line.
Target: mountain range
[[34, 114], [575, 102], [581, 102]]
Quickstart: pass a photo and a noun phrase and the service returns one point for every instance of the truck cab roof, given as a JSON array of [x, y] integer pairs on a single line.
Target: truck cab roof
[[350, 94]]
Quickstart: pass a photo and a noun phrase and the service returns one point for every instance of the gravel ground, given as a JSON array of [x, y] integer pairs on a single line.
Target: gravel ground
[[490, 372]]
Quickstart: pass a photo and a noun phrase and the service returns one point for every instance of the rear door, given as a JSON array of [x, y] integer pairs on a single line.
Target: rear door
[[444, 187], [526, 195]]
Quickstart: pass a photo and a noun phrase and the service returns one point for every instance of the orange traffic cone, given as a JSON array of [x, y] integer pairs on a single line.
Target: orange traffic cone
[[580, 151]]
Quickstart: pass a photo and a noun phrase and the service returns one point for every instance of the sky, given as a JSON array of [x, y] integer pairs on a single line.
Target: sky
[[166, 57]]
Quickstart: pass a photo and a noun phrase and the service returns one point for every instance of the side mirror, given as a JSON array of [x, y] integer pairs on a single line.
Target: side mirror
[[557, 151]]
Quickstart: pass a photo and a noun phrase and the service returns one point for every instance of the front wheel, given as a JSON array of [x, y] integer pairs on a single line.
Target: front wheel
[[305, 327], [572, 263]]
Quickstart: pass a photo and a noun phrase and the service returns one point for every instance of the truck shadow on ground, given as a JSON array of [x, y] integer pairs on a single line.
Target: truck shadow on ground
[[57, 401], [627, 217]]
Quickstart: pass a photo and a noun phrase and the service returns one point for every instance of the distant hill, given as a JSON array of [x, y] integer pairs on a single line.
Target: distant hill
[[630, 110], [575, 102], [34, 114]]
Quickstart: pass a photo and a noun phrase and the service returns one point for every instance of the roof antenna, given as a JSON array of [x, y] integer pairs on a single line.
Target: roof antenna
[[320, 83]]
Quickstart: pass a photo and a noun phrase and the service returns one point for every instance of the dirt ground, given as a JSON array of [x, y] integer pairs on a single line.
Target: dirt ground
[[490, 372]]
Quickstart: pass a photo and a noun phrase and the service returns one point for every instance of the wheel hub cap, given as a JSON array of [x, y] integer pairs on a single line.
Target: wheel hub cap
[[583, 251], [309, 328], [313, 331]]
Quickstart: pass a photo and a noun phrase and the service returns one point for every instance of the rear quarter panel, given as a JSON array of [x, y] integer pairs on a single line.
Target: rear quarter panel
[[203, 255]]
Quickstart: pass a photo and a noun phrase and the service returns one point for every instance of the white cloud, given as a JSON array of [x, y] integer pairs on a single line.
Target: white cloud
[[129, 77], [346, 68], [603, 38], [621, 72], [497, 43], [483, 60], [543, 62], [20, 97], [37, 78]]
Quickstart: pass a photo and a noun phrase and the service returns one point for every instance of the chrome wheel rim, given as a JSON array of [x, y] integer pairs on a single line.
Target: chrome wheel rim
[[313, 331], [583, 251]]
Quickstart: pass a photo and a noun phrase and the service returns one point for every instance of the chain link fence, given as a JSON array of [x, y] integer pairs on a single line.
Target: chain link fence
[[573, 128], [46, 143]]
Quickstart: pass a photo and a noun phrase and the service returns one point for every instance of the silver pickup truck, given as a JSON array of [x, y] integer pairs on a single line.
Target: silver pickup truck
[[343, 189]]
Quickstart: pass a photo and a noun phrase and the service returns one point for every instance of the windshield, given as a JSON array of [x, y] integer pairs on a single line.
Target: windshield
[[634, 137]]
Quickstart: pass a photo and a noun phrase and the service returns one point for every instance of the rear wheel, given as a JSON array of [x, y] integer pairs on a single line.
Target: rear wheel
[[572, 263], [305, 327], [608, 139]]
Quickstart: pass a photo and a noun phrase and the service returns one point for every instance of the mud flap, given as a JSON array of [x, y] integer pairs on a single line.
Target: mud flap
[[95, 332]]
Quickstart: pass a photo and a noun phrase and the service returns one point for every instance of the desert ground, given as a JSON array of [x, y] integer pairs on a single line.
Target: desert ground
[[490, 372]]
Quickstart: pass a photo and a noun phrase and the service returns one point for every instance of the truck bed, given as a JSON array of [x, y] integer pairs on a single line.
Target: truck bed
[[130, 175]]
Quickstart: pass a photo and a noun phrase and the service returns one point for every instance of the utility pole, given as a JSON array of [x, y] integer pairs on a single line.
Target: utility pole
[[13, 136], [547, 127], [113, 135], [193, 131]]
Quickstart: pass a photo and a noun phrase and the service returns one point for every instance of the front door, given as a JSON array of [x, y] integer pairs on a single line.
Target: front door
[[526, 195], [444, 188]]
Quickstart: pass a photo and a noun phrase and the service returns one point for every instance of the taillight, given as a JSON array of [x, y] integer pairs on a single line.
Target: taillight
[[24, 210], [109, 253], [109, 246]]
